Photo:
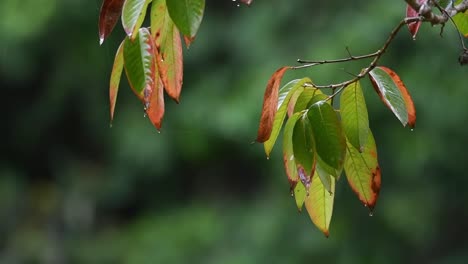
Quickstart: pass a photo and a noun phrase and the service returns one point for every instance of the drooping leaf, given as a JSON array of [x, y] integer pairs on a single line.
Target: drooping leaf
[[304, 150], [270, 102], [413, 26], [319, 204], [300, 195], [304, 101], [394, 94], [461, 20], [169, 45], [115, 78], [354, 115], [108, 17], [325, 173], [133, 15], [288, 152], [291, 89], [140, 65], [187, 15], [363, 172], [328, 133], [155, 110]]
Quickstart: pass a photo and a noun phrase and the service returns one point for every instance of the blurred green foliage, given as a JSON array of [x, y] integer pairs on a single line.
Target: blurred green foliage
[[73, 190]]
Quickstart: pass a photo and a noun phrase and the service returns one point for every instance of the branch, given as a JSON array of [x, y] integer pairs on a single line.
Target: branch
[[425, 10]]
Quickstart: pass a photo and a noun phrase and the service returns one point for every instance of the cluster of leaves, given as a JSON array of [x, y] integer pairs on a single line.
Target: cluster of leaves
[[321, 140], [152, 57]]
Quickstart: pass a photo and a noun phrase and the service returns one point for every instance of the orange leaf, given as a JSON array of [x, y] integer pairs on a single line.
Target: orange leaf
[[270, 104], [406, 96], [155, 110], [170, 64], [108, 17]]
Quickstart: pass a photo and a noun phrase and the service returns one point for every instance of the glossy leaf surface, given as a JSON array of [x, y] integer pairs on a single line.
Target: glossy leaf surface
[[394, 94], [169, 44], [116, 75], [133, 14], [187, 15], [304, 150], [319, 204], [354, 115], [292, 89], [328, 133], [140, 64], [363, 172], [288, 152], [108, 17], [270, 104]]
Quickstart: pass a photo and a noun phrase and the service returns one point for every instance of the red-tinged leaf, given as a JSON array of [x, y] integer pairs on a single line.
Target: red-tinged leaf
[[413, 26], [394, 94], [108, 17], [319, 204], [188, 41], [363, 172], [115, 79], [155, 110], [270, 102], [140, 65], [286, 93], [169, 45], [304, 150], [133, 15], [288, 151]]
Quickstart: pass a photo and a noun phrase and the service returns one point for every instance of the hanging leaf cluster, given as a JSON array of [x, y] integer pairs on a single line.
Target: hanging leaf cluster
[[321, 140], [151, 56]]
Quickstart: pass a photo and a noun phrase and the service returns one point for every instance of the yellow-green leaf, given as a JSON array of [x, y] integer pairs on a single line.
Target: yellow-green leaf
[[319, 204], [133, 15], [116, 75], [288, 152]]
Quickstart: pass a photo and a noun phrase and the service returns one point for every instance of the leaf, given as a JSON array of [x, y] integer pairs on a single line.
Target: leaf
[[247, 2], [270, 102], [133, 14], [354, 115], [187, 15], [304, 150], [288, 152], [108, 17], [140, 65], [304, 101], [363, 172], [394, 94], [300, 195], [169, 45], [319, 204], [413, 26], [115, 79], [325, 173], [155, 110], [328, 133], [291, 89], [461, 20]]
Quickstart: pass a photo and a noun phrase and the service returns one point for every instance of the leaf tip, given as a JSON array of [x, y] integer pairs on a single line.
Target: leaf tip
[[101, 40], [326, 233]]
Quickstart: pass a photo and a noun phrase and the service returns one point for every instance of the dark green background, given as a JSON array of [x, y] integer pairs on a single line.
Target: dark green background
[[73, 190]]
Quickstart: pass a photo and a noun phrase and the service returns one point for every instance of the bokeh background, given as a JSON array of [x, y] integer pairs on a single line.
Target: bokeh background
[[74, 190]]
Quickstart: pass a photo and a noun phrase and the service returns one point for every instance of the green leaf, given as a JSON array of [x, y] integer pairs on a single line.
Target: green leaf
[[115, 79], [300, 195], [363, 172], [304, 100], [325, 173], [304, 150], [328, 133], [461, 20], [354, 115], [291, 89], [288, 152], [394, 94], [169, 45], [133, 15], [140, 65], [187, 15], [319, 204]]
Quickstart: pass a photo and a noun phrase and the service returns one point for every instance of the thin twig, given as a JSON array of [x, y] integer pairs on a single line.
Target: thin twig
[[454, 24]]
